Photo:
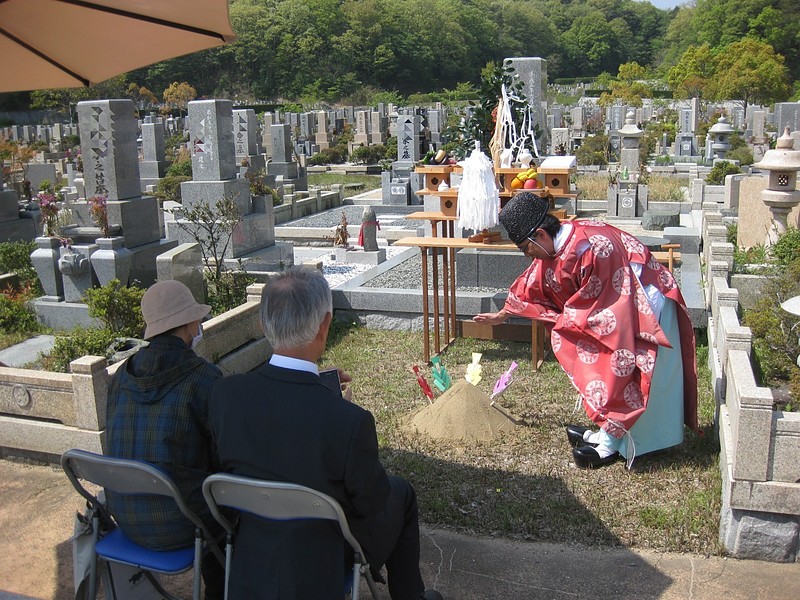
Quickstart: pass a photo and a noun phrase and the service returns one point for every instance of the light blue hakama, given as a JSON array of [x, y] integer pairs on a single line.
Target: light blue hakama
[[661, 424]]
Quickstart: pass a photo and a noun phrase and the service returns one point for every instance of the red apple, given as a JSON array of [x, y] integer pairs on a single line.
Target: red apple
[[530, 184]]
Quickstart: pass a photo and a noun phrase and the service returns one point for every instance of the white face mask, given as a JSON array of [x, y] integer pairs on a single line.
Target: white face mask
[[196, 339]]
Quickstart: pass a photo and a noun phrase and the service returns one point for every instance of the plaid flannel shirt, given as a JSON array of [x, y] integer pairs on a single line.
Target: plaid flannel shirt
[[158, 413]]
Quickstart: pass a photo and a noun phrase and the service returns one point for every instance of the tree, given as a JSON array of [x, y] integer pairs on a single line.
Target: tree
[[141, 96], [751, 72], [690, 77], [179, 95], [628, 88]]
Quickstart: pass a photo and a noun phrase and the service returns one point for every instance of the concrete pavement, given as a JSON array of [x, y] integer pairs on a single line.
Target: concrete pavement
[[37, 505]]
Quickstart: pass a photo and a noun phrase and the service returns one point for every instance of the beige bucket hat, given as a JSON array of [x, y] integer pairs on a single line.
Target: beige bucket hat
[[170, 304]]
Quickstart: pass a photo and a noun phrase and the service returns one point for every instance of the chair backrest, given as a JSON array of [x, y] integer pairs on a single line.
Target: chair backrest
[[125, 477], [273, 500]]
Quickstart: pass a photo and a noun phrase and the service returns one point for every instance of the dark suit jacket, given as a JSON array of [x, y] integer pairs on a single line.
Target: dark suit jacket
[[285, 425]]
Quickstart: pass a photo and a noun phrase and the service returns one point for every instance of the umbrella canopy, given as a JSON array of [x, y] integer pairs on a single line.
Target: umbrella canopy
[[71, 43]]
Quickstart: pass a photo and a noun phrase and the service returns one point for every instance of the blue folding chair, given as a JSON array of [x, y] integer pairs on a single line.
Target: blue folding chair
[[133, 477], [281, 501]]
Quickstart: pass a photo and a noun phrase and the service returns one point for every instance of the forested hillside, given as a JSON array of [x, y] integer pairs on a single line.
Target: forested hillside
[[330, 50]]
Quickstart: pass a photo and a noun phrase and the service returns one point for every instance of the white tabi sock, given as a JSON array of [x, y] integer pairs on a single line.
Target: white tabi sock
[[591, 437], [607, 444]]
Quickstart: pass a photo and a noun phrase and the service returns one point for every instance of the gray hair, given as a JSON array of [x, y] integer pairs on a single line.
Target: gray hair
[[293, 306]]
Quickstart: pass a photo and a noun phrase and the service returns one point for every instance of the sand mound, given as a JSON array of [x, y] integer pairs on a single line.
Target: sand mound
[[462, 413]]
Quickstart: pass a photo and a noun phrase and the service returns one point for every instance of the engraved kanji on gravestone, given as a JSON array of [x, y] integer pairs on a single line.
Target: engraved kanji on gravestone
[[241, 134], [99, 140]]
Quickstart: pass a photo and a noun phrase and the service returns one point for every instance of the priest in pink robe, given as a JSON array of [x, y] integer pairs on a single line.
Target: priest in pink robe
[[618, 327]]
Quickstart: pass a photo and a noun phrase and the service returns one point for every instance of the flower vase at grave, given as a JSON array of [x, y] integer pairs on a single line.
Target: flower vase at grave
[[45, 261], [112, 261]]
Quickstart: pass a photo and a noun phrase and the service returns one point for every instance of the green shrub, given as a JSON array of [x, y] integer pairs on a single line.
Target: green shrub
[[593, 151], [721, 170], [46, 186], [119, 307], [181, 167], [15, 314], [775, 331], [368, 155], [15, 257], [335, 155], [169, 188], [228, 291], [70, 141], [75, 343], [744, 155], [787, 249]]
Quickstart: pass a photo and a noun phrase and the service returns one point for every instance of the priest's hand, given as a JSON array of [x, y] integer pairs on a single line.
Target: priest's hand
[[495, 318]]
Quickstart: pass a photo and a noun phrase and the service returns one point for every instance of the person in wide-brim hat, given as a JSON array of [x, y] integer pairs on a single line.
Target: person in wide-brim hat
[[169, 305], [158, 413]]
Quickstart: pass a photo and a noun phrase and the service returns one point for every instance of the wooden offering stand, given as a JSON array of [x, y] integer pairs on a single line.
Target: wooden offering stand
[[486, 237], [435, 175]]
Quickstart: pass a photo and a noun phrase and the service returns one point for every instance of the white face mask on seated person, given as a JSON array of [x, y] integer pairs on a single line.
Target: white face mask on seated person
[[197, 338]]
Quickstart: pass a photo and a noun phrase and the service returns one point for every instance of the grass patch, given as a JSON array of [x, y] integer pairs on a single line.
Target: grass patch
[[661, 188], [12, 338], [525, 485], [325, 180]]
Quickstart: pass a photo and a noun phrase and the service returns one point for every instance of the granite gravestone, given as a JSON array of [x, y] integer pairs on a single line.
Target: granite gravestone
[[322, 137], [108, 133], [532, 72], [245, 139], [154, 165], [213, 165], [361, 138]]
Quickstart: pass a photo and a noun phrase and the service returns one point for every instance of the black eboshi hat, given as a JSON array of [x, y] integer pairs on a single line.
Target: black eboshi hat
[[523, 214]]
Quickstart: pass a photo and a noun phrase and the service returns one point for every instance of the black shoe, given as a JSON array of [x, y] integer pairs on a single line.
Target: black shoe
[[575, 435], [431, 595], [586, 457]]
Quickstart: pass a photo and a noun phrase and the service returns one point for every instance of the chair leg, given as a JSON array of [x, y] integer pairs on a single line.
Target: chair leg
[[228, 556], [93, 565], [356, 581], [373, 589], [198, 551]]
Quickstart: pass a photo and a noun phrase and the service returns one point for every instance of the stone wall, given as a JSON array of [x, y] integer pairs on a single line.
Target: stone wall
[[302, 203], [43, 413], [759, 446]]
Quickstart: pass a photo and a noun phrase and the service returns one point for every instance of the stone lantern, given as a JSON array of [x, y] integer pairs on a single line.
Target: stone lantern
[[720, 134], [781, 195], [627, 198], [631, 136]]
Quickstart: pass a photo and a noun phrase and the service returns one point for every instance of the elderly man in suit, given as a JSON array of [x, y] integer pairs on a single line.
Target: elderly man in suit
[[282, 423]]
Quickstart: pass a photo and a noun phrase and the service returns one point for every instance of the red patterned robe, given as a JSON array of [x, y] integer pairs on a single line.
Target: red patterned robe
[[603, 330]]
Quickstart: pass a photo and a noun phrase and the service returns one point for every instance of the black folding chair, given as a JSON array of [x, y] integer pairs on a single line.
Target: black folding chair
[[280, 501], [133, 477]]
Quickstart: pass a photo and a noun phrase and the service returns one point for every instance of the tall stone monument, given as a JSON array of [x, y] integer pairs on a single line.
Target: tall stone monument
[[401, 182], [322, 137], [533, 73], [245, 139], [108, 132], [361, 137], [215, 176], [154, 164], [283, 165]]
